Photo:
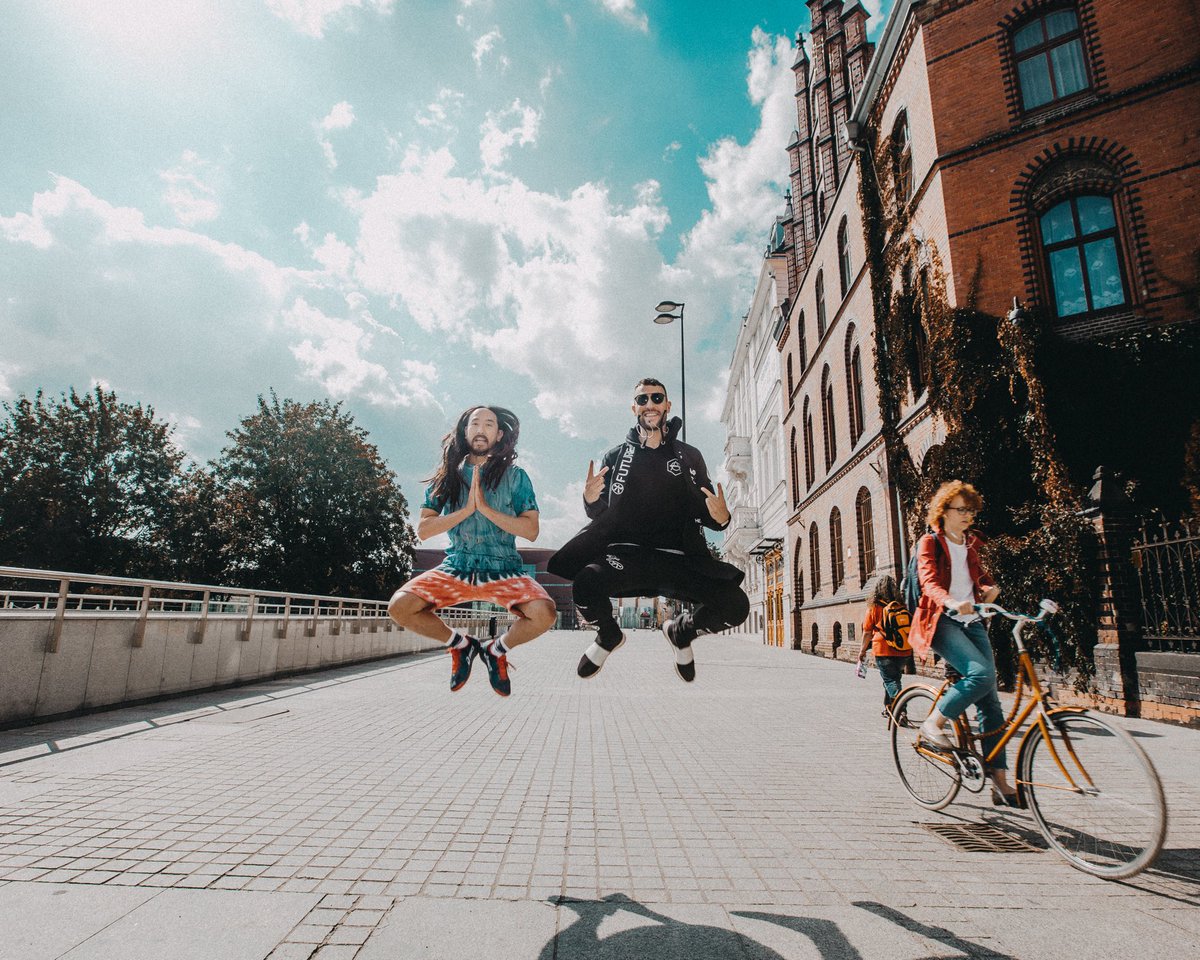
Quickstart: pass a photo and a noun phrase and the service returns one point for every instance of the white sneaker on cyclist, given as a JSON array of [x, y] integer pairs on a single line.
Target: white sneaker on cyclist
[[935, 736]]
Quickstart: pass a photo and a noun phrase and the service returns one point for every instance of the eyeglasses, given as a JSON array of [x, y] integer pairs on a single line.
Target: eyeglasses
[[644, 398], [967, 510]]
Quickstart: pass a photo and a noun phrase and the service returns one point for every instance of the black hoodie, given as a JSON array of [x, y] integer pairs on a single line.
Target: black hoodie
[[652, 497]]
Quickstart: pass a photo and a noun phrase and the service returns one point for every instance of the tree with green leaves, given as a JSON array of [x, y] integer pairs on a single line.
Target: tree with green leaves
[[306, 503], [87, 483]]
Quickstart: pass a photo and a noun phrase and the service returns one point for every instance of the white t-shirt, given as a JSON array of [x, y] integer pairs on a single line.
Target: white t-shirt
[[962, 587]]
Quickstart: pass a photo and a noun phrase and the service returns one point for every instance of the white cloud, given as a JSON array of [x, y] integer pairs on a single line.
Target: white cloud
[[184, 321], [310, 17], [745, 182], [340, 117], [439, 113], [671, 149], [628, 13], [551, 74], [559, 289], [495, 141], [485, 45], [334, 353], [7, 371], [190, 197]]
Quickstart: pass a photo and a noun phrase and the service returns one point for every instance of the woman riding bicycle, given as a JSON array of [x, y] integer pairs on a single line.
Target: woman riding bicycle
[[953, 580]]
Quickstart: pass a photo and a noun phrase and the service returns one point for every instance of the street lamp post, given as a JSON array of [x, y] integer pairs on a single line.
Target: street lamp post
[[666, 314]]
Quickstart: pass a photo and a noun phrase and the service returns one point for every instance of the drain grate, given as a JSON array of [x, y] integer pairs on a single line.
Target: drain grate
[[980, 838]]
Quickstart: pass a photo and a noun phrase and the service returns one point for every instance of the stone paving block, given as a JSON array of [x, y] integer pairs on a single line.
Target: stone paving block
[[417, 927], [45, 920]]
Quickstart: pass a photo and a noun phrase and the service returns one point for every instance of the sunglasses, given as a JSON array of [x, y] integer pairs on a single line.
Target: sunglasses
[[644, 398], [963, 510]]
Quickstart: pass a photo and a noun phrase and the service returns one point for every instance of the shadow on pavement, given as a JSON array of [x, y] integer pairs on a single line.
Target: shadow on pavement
[[938, 934], [55, 736], [672, 939], [668, 939]]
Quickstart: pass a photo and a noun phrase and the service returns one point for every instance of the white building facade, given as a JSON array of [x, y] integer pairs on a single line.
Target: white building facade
[[757, 481]]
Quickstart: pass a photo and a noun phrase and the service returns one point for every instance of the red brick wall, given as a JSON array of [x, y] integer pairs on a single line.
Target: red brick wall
[[1144, 111]]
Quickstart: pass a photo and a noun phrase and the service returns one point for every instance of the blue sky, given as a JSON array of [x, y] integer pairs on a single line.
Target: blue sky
[[410, 206]]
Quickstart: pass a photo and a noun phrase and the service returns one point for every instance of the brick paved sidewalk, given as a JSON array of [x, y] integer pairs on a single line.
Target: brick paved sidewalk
[[369, 813]]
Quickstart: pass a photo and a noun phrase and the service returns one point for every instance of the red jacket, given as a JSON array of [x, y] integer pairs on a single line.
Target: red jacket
[[933, 572]]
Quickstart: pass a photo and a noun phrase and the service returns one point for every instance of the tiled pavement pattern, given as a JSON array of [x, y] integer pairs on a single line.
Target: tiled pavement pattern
[[367, 812]]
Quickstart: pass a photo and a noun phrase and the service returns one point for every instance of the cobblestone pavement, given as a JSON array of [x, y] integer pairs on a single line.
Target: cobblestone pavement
[[369, 813]]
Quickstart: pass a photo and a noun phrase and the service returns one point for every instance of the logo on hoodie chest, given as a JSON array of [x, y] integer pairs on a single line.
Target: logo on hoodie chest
[[674, 468]]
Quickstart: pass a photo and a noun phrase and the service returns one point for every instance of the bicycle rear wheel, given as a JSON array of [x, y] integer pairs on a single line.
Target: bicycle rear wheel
[[1103, 808], [933, 780]]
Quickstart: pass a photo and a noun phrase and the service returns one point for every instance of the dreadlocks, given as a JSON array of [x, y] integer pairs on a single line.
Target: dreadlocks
[[447, 480]]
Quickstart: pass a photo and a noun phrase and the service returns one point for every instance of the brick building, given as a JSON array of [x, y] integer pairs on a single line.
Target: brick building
[[1044, 150]]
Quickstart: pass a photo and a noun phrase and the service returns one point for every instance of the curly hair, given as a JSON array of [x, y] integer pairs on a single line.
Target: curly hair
[[884, 590], [947, 492], [447, 480]]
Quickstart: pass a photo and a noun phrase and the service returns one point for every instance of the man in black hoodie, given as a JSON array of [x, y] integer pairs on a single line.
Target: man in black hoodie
[[647, 504]]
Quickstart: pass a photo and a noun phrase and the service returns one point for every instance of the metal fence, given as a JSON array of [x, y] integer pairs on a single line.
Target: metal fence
[[1167, 560], [76, 595]]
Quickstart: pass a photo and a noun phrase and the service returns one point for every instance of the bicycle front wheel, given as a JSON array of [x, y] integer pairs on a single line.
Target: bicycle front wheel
[[1094, 793], [931, 778]]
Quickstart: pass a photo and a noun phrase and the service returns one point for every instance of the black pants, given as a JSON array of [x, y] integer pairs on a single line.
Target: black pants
[[654, 573]]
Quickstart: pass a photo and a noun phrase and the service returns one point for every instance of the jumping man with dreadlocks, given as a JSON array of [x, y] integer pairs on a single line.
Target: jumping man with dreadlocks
[[647, 505], [484, 502]]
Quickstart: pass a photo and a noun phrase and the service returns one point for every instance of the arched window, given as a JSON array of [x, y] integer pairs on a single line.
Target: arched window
[[798, 575], [803, 342], [819, 287], [791, 381], [837, 561], [795, 471], [902, 169], [866, 535], [810, 460], [1080, 243], [828, 427], [854, 387], [1050, 60], [843, 244], [814, 559]]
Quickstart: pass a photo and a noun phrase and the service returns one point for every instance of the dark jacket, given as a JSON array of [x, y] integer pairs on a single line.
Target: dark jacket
[[652, 498]]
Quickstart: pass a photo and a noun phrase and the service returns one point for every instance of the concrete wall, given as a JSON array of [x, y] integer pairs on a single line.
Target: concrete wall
[[97, 664]]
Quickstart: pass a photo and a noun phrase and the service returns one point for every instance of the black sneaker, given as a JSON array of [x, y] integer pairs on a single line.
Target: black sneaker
[[497, 668], [461, 659], [594, 656], [681, 650]]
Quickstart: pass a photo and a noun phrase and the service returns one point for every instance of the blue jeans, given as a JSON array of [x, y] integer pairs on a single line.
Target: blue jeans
[[967, 649], [891, 669]]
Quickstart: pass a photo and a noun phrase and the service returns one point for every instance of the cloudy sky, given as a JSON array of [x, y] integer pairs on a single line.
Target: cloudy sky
[[410, 206]]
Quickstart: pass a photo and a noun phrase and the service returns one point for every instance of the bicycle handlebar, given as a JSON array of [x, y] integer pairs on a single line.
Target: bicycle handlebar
[[1046, 607]]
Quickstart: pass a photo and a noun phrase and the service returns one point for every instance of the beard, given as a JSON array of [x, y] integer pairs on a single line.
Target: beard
[[480, 446], [645, 425]]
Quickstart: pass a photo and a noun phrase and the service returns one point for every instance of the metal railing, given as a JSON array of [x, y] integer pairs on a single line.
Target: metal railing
[[129, 598], [1167, 561]]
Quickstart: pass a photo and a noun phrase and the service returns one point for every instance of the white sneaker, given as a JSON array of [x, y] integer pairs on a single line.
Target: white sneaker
[[935, 736]]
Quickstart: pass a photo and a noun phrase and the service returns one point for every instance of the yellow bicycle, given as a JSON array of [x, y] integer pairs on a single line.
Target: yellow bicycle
[[1093, 792]]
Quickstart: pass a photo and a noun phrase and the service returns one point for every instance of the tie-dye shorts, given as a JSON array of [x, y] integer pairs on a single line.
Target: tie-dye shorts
[[444, 588]]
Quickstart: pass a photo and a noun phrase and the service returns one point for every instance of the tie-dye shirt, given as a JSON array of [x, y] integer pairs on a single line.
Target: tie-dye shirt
[[478, 546]]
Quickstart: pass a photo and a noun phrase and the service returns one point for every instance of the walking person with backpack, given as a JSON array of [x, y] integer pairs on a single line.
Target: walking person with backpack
[[885, 631], [952, 580]]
